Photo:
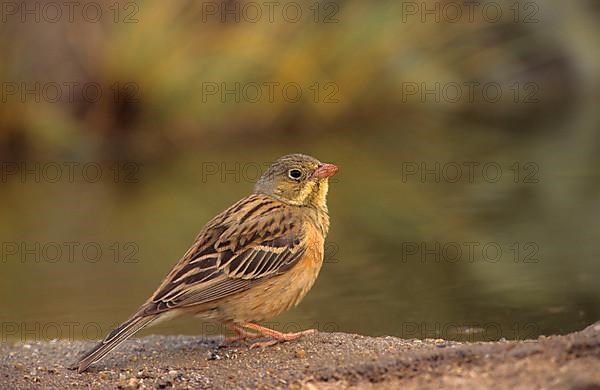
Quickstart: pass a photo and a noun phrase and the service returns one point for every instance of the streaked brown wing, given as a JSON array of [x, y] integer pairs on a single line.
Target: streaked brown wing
[[253, 240]]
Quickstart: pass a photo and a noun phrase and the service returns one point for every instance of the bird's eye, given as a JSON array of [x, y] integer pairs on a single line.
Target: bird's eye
[[295, 174]]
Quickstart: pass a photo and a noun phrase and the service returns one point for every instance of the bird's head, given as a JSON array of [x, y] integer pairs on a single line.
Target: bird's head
[[297, 179]]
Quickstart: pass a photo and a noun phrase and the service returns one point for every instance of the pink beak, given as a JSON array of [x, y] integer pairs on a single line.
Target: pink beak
[[324, 171]]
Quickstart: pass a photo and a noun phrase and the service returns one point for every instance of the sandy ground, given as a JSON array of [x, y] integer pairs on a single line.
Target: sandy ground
[[323, 360]]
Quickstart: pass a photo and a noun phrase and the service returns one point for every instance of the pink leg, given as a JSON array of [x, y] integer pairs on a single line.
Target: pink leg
[[278, 336], [241, 334]]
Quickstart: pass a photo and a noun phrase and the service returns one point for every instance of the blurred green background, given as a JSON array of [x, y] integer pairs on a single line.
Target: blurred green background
[[466, 206]]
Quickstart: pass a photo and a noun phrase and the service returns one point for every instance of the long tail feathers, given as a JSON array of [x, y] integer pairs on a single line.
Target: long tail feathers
[[113, 340]]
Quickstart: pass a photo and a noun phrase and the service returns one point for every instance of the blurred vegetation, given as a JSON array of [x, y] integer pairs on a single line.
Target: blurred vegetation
[[154, 111], [151, 73]]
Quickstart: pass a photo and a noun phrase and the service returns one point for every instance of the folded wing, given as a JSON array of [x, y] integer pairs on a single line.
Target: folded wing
[[254, 240]]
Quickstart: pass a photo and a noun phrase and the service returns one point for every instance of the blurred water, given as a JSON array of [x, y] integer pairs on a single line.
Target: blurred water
[[407, 255]]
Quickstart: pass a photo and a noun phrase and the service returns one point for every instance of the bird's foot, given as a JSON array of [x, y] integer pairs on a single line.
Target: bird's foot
[[277, 336], [241, 334]]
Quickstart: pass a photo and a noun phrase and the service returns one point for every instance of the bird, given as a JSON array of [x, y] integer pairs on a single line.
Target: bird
[[253, 261]]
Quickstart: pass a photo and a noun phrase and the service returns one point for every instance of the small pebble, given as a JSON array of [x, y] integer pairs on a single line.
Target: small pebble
[[133, 383], [143, 374], [213, 355]]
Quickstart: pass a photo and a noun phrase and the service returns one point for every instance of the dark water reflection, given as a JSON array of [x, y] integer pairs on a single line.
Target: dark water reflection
[[412, 257]]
